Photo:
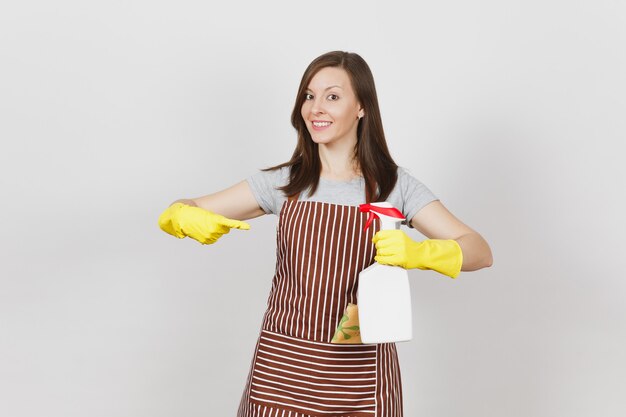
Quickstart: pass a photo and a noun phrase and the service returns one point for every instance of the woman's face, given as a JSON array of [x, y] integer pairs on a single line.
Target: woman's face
[[330, 109]]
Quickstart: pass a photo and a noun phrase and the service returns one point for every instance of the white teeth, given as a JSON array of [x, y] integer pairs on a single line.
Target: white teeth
[[321, 124]]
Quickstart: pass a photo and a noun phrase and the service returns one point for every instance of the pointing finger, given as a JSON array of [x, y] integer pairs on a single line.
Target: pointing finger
[[236, 224]]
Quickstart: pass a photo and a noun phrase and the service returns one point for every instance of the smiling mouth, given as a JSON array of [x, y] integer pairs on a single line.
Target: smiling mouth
[[321, 124]]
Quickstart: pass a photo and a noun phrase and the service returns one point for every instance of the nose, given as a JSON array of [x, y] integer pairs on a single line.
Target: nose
[[317, 106]]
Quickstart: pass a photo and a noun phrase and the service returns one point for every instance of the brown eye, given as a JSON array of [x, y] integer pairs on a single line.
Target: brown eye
[[333, 97], [308, 96]]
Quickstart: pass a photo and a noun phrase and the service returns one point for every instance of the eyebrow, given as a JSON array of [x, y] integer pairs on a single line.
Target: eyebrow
[[327, 88]]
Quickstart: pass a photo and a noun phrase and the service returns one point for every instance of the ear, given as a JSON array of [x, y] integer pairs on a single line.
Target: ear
[[361, 113]]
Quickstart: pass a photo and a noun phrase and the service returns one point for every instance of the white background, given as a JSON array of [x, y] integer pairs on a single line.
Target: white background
[[510, 111]]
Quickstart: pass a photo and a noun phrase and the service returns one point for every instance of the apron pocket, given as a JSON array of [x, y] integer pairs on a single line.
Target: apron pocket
[[314, 378]]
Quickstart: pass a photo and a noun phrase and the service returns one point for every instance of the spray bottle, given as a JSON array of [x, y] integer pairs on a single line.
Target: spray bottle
[[383, 294]]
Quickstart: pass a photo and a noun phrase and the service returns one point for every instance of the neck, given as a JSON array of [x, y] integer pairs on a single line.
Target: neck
[[338, 160]]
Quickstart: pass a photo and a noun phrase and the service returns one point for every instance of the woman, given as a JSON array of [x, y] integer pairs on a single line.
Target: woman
[[308, 359]]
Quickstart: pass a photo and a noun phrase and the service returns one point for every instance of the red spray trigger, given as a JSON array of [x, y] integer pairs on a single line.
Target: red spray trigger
[[375, 210], [370, 218]]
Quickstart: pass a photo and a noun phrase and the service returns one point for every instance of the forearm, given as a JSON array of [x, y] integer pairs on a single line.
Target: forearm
[[476, 252], [186, 201]]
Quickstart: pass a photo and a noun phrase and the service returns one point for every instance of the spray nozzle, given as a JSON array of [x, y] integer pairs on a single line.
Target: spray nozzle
[[384, 209]]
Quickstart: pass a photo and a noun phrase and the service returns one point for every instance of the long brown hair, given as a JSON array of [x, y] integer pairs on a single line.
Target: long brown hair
[[371, 152]]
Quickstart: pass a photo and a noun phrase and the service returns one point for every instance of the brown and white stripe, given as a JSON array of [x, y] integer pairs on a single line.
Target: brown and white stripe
[[296, 371]]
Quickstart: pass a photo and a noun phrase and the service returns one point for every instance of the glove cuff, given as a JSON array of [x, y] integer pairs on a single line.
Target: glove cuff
[[443, 256]]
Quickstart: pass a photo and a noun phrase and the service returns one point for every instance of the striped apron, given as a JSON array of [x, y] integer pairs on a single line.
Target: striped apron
[[296, 371]]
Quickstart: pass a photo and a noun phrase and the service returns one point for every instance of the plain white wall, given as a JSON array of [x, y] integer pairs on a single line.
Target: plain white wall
[[510, 111]]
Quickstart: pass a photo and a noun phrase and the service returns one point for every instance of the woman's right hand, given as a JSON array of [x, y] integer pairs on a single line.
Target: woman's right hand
[[182, 220]]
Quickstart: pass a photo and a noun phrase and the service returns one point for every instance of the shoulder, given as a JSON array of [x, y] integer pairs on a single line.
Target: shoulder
[[408, 183], [406, 177], [274, 177], [265, 187]]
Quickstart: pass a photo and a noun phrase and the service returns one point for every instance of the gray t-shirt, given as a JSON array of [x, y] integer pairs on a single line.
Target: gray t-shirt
[[409, 195]]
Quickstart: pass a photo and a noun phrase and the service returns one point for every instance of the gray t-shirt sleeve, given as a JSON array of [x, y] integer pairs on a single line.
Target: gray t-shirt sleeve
[[264, 188], [414, 194]]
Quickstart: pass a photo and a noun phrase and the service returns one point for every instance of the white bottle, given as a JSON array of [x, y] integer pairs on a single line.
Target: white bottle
[[384, 294]]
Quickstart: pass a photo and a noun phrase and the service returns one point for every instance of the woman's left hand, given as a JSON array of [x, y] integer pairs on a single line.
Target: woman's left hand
[[395, 247]]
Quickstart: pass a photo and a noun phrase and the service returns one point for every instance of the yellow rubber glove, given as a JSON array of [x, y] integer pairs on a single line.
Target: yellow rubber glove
[[394, 247], [182, 220]]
